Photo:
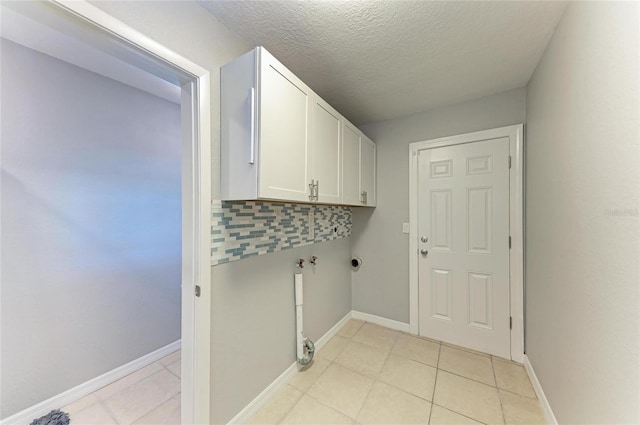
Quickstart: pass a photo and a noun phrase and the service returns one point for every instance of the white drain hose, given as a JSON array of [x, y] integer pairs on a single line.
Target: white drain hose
[[304, 346]]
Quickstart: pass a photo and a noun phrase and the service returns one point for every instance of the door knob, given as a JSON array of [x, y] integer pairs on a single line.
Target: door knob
[[424, 252], [424, 239]]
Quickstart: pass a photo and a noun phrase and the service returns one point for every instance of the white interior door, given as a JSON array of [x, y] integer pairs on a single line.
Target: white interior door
[[463, 232]]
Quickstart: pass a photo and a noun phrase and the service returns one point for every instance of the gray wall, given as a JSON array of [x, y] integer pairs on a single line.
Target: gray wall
[[91, 205], [253, 320], [381, 286], [582, 230], [254, 317]]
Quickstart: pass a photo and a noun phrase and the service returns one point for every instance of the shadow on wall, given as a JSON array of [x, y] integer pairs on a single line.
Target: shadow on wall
[[361, 218]]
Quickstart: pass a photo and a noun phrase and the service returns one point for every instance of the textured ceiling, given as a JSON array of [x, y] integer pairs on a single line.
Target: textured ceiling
[[376, 60]]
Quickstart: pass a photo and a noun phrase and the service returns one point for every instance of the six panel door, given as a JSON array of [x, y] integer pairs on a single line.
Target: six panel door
[[463, 225]]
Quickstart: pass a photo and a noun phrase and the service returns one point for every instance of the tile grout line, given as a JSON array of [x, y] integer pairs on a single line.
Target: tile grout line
[[109, 412], [434, 391], [124, 389], [102, 401], [465, 349], [466, 377], [515, 393], [157, 407], [166, 367], [411, 360], [377, 378], [96, 398], [512, 363], [405, 391], [327, 406], [461, 414], [296, 402], [504, 420], [279, 421], [306, 392], [322, 373], [373, 380], [435, 382]]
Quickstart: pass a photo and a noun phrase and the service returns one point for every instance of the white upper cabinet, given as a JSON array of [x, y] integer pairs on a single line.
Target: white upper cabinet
[[265, 117], [368, 172], [326, 152], [284, 145], [281, 141], [351, 138], [358, 167]]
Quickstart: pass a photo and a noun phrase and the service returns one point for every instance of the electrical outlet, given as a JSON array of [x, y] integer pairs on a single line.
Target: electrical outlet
[[405, 227]]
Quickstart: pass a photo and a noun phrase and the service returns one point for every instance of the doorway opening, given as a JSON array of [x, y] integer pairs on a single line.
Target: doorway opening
[[119, 217]]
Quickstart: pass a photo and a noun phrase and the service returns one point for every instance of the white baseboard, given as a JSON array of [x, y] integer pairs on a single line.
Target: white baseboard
[[544, 403], [245, 414], [331, 332], [58, 401], [250, 409], [382, 321]]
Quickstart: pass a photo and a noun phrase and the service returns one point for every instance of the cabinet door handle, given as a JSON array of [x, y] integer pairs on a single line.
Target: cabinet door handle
[[317, 189], [312, 190], [252, 126]]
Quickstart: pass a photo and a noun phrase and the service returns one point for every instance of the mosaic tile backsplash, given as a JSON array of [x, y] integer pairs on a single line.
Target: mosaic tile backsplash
[[243, 229]]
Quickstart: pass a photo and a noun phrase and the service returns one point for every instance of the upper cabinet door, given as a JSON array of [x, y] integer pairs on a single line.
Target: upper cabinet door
[[368, 171], [280, 141], [285, 104], [326, 152], [350, 165]]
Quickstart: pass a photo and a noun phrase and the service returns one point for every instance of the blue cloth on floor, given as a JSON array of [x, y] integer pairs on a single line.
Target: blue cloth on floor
[[55, 417]]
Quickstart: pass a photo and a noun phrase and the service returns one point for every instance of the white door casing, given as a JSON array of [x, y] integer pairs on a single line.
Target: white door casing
[[463, 226], [467, 158], [196, 203]]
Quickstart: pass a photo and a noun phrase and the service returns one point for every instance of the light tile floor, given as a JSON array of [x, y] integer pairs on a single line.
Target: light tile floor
[[366, 374], [149, 396], [369, 374]]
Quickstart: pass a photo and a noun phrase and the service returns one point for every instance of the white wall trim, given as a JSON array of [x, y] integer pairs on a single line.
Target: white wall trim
[[382, 321], [245, 414], [58, 401], [516, 229], [544, 403]]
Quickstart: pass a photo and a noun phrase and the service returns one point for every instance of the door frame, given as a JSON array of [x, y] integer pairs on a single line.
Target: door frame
[[196, 205], [516, 229]]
